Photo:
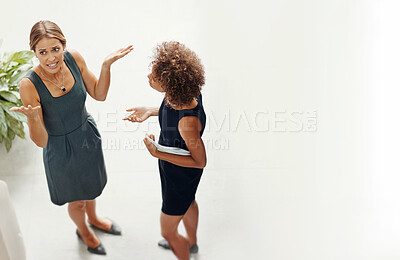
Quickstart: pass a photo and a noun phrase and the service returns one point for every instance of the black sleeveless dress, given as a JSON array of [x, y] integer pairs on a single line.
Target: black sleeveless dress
[[178, 184], [73, 158]]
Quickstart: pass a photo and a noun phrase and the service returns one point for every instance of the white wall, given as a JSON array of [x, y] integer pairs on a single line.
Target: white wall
[[303, 87], [280, 75]]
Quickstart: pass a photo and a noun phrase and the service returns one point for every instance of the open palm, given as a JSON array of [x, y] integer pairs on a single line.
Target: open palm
[[29, 111], [116, 55], [139, 114]]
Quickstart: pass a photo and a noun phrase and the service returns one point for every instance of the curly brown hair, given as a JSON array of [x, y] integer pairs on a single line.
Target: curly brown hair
[[179, 71]]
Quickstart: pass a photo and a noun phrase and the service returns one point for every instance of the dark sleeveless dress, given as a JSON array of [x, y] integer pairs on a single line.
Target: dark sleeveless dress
[[73, 158], [178, 184]]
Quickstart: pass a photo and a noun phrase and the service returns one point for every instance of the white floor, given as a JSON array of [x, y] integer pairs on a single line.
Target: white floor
[[252, 214], [133, 200]]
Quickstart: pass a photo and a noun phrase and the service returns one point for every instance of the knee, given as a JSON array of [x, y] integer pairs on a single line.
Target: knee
[[167, 234], [78, 205]]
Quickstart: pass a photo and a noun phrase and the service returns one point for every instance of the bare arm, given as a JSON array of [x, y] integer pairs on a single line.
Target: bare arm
[[141, 113], [33, 111], [98, 88], [189, 128]]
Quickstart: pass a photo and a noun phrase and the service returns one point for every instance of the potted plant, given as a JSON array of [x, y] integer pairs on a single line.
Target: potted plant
[[13, 67]]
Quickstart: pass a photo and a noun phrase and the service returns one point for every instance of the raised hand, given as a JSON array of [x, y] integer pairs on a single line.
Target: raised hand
[[29, 111], [116, 55], [139, 114]]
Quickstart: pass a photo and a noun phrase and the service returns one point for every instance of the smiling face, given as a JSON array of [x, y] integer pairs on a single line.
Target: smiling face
[[49, 51]]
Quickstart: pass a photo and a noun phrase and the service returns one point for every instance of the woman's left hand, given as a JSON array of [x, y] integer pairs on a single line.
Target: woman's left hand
[[116, 55], [150, 147]]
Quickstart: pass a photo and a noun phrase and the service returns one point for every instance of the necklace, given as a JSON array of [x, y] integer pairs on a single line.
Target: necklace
[[62, 87]]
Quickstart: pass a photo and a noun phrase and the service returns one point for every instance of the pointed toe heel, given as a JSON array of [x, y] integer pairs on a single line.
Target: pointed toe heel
[[164, 244], [114, 230], [99, 250]]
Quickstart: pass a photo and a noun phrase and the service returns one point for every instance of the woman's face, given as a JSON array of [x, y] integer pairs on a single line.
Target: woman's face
[[154, 83], [49, 51]]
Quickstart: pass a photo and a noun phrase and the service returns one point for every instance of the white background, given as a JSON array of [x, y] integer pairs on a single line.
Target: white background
[[269, 66]]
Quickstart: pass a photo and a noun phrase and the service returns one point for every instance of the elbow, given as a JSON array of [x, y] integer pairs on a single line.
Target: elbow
[[98, 96], [101, 98], [202, 164], [41, 144]]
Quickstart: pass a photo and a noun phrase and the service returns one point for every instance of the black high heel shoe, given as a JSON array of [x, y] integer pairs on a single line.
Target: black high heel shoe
[[164, 244], [114, 230], [99, 250]]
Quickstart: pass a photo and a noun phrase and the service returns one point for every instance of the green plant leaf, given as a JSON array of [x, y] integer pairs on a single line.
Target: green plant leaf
[[17, 115], [13, 67], [3, 123], [9, 96], [10, 134], [7, 105], [16, 126], [19, 74], [8, 144], [3, 85], [20, 130], [14, 88], [10, 137], [20, 57]]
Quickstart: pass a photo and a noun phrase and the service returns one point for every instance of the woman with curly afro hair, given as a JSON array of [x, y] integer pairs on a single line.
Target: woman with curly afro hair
[[177, 72]]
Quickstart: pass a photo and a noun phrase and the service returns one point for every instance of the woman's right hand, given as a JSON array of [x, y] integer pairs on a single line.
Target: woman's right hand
[[139, 114], [29, 111]]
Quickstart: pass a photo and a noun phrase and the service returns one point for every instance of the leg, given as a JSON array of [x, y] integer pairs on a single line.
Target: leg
[[191, 220], [169, 230], [76, 211], [93, 219]]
